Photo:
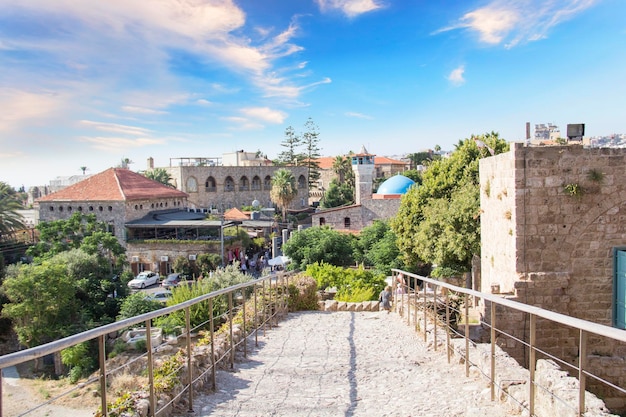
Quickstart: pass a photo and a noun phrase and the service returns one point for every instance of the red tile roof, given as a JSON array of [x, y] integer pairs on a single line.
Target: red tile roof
[[115, 184], [326, 162]]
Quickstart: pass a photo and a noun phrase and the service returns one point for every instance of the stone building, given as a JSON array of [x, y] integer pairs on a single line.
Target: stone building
[[116, 196], [553, 235], [212, 185], [369, 206]]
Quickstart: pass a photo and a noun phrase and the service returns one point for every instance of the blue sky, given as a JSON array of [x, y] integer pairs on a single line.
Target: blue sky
[[90, 83]]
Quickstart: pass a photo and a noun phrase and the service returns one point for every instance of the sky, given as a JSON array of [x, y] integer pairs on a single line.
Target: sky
[[91, 83]]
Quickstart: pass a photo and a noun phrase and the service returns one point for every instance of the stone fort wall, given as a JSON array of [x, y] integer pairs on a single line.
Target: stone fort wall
[[551, 220]]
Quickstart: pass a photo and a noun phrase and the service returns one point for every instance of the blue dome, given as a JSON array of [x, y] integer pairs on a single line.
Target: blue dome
[[398, 184]]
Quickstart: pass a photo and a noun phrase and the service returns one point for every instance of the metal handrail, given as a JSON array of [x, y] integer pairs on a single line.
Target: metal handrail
[[275, 280], [582, 326]]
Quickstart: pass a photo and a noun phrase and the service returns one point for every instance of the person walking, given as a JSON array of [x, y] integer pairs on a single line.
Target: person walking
[[385, 298]]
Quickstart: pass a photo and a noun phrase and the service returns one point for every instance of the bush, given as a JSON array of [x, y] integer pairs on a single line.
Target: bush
[[353, 285], [303, 293]]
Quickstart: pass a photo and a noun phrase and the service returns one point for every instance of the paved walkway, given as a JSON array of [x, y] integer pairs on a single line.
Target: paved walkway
[[346, 364]]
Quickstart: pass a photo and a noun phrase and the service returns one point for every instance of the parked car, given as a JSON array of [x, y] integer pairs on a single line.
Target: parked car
[[144, 279], [160, 296], [172, 280]]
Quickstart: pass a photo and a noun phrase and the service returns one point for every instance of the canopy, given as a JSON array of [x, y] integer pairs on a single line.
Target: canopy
[[279, 260]]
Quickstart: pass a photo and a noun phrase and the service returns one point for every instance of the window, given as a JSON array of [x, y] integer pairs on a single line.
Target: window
[[229, 184], [209, 185], [192, 185], [267, 183], [322, 221], [256, 183], [346, 222], [301, 181], [244, 184]]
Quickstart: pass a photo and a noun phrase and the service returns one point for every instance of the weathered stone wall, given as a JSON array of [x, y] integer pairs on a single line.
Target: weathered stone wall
[[551, 220], [360, 216], [221, 198], [114, 213], [149, 254]]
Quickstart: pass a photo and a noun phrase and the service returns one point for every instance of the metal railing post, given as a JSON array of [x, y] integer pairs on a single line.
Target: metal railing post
[[230, 324], [492, 366], [424, 306], [447, 298], [467, 335], [152, 398], [189, 367], [532, 364], [212, 332], [435, 317], [256, 318], [582, 383], [245, 333], [264, 306], [103, 375]]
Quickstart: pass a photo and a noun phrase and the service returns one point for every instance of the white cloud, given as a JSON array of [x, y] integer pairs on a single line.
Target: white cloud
[[119, 144], [145, 33], [203, 102], [142, 110], [358, 115], [20, 108], [516, 21], [456, 76], [266, 114], [350, 8], [117, 128]]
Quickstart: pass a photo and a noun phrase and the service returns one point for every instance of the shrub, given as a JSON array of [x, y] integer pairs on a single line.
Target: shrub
[[353, 285], [303, 293]]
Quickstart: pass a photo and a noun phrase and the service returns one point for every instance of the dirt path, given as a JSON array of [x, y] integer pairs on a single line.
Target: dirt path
[[21, 394]]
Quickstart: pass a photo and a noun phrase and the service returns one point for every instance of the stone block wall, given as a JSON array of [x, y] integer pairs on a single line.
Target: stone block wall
[[551, 220], [221, 199], [360, 215]]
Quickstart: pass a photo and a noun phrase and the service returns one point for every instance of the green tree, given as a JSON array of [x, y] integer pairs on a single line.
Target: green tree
[[310, 141], [438, 222], [61, 235], [292, 142], [414, 174], [137, 304], [42, 303], [337, 195], [419, 158], [319, 244], [376, 246], [343, 169], [159, 175], [283, 190], [10, 219]]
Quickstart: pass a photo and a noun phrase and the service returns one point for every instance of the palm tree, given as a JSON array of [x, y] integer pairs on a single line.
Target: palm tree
[[83, 168], [10, 219], [159, 175], [283, 189]]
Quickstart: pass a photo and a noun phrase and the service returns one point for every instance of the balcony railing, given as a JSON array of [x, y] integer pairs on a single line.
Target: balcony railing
[[266, 297]]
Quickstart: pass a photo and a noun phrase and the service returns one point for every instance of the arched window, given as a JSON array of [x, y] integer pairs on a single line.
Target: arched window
[[267, 183], [256, 183], [209, 185], [301, 182], [244, 184], [322, 221], [192, 185], [229, 184]]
